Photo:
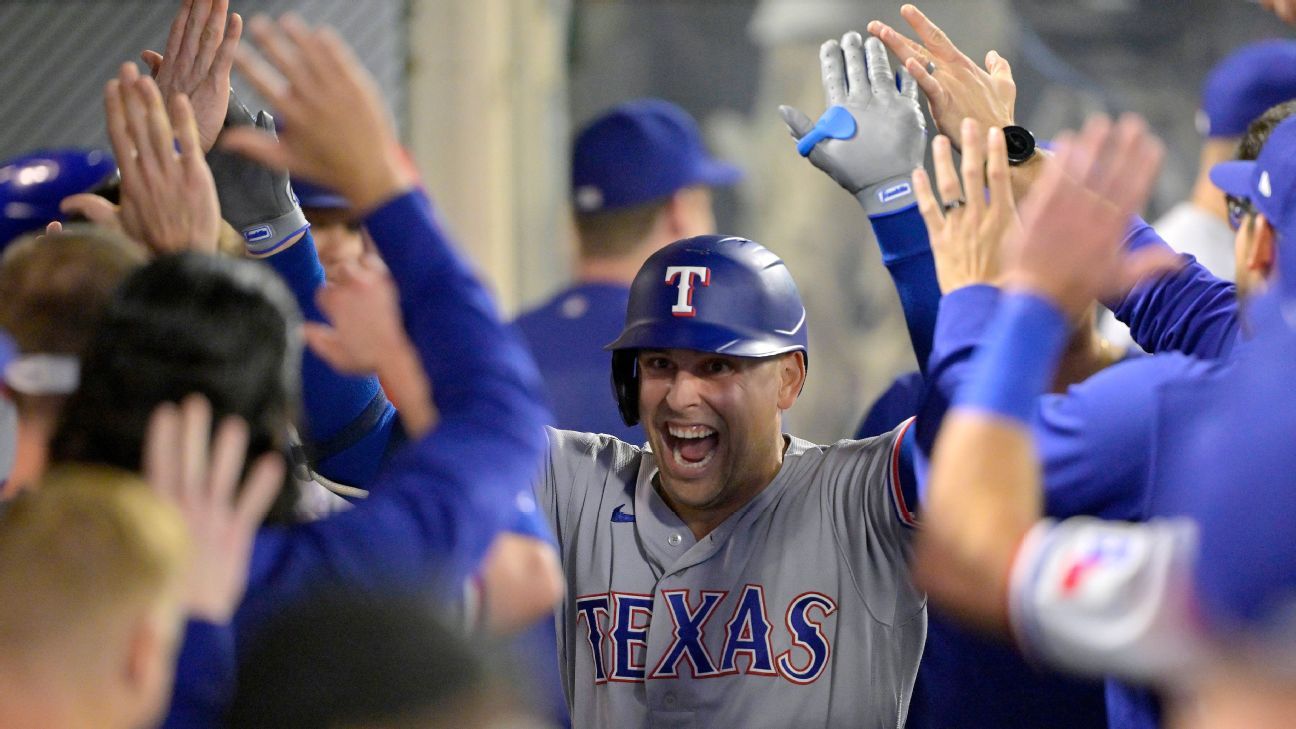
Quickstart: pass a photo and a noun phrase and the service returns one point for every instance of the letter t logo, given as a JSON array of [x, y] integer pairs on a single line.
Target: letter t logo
[[684, 303]]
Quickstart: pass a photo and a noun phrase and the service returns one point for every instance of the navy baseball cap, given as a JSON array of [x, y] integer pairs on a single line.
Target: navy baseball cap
[[1269, 181], [310, 195], [33, 185], [1246, 84], [641, 151]]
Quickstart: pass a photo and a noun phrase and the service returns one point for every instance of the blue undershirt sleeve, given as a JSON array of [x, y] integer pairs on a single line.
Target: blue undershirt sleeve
[[907, 255], [205, 671]]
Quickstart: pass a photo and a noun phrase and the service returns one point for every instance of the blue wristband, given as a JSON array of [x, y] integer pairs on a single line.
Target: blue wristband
[[1015, 364]]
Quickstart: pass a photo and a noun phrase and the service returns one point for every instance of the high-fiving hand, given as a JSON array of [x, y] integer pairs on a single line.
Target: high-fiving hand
[[199, 57]]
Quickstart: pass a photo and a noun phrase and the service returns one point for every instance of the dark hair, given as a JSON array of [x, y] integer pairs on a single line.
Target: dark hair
[[358, 659], [1258, 131], [186, 323]]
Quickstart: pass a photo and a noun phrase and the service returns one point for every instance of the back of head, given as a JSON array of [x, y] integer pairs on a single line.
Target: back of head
[[79, 559], [186, 323], [1246, 83], [360, 660]]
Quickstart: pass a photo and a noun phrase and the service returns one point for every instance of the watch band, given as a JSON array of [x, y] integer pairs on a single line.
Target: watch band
[[1021, 144]]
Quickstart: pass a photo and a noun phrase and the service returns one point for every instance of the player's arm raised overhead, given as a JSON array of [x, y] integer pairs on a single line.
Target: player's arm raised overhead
[[444, 496], [984, 491], [869, 141]]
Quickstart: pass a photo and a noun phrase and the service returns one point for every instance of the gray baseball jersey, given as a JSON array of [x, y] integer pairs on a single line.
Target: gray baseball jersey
[[796, 611], [1103, 597]]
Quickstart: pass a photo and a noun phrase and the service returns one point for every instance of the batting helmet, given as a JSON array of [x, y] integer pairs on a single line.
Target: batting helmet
[[32, 186], [711, 293]]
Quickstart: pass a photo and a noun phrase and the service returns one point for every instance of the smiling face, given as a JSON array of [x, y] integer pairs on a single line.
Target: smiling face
[[714, 423]]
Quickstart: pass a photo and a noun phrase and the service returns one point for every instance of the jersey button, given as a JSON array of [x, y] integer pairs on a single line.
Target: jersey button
[[674, 540], [669, 698]]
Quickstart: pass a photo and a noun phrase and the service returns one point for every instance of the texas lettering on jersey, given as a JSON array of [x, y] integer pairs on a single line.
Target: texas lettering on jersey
[[615, 625]]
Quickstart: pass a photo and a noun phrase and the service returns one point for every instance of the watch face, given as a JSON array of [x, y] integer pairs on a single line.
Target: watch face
[[1020, 143]]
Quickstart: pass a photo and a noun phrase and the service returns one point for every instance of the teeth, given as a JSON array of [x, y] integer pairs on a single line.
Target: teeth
[[690, 431], [689, 466]]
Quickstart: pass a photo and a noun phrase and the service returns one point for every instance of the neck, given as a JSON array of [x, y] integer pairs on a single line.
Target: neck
[[620, 270], [50, 705]]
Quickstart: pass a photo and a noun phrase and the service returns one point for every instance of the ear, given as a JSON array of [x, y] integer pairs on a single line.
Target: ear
[[792, 376], [1261, 256]]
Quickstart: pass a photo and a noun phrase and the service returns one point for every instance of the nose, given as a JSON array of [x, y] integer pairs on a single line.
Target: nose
[[685, 391]]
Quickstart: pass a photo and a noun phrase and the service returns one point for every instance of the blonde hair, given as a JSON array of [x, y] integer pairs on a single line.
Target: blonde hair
[[91, 545]]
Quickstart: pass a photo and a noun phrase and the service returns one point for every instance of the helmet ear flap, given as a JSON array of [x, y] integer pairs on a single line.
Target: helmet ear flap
[[625, 383]]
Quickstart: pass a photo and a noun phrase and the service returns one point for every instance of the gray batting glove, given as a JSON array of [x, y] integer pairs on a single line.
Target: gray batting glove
[[256, 200], [872, 136]]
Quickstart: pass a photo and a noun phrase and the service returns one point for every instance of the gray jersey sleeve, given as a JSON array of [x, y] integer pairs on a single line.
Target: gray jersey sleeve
[[1101, 597]]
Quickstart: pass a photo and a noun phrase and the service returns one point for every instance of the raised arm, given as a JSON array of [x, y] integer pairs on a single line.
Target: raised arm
[[869, 141], [445, 495]]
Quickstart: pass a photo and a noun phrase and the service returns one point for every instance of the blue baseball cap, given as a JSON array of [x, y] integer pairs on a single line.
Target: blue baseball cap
[[1245, 85], [641, 151], [33, 185], [8, 351], [310, 195], [1269, 181]]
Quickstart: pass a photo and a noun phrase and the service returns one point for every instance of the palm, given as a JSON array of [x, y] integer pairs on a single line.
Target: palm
[[199, 57]]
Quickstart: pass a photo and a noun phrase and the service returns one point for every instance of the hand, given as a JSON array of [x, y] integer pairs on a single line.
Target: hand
[[956, 88], [967, 240], [336, 129], [222, 520], [1285, 9], [199, 55], [364, 308], [168, 200], [1073, 219], [884, 135]]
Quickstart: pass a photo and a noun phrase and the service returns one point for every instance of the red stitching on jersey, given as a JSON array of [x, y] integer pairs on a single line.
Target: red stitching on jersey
[[902, 508]]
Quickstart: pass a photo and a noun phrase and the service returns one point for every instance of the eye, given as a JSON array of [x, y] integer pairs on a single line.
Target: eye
[[654, 363], [717, 367]]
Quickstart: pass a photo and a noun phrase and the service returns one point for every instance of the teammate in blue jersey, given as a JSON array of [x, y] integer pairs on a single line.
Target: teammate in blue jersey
[[641, 179], [1201, 604]]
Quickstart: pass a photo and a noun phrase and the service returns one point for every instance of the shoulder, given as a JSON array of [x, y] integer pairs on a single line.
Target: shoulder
[[573, 453]]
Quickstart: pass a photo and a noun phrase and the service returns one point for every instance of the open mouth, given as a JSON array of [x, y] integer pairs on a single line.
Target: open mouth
[[692, 446]]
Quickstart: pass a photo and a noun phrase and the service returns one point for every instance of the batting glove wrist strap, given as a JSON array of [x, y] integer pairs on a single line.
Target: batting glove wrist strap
[[256, 200], [888, 196]]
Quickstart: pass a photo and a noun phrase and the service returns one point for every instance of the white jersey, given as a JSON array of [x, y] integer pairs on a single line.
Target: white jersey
[[1101, 597], [796, 611]]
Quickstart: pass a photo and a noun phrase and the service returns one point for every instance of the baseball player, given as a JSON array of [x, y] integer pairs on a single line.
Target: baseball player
[[1202, 603], [641, 179]]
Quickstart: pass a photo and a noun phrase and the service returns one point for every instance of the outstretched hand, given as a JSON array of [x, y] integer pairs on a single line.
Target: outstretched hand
[[967, 232], [955, 86], [872, 134], [168, 198], [199, 57], [337, 132], [199, 476], [1074, 218], [363, 306]]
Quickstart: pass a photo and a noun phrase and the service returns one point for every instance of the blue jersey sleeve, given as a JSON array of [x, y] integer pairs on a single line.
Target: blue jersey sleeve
[[205, 671], [1189, 310], [907, 255], [441, 499], [347, 420]]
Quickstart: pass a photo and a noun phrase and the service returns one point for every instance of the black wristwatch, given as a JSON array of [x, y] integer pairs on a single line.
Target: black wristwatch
[[1021, 144]]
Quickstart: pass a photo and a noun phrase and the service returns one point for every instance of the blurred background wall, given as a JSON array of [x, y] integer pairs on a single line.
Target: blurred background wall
[[486, 93]]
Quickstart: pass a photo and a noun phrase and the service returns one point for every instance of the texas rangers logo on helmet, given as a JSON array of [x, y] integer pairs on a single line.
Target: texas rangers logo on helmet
[[685, 275]]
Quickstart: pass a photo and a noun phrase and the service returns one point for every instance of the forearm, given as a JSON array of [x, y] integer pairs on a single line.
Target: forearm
[[961, 322], [402, 376], [906, 253]]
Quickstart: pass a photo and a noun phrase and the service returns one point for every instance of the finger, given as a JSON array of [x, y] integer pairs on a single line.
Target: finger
[[927, 82], [54, 228], [946, 175], [930, 210], [267, 82], [998, 66], [162, 449], [118, 131], [91, 207], [325, 342], [373, 263], [195, 433], [342, 61], [880, 75], [153, 60], [176, 36], [908, 87], [1085, 151], [213, 34], [1132, 192], [195, 28], [279, 51], [223, 63], [138, 126], [161, 138], [1130, 141], [857, 70], [264, 480], [312, 59], [832, 71], [973, 165], [1142, 263], [797, 123], [901, 45], [932, 37], [257, 146], [997, 170], [229, 449], [186, 131]]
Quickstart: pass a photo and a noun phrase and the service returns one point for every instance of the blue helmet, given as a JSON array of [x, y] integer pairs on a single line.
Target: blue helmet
[[711, 293], [32, 186]]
